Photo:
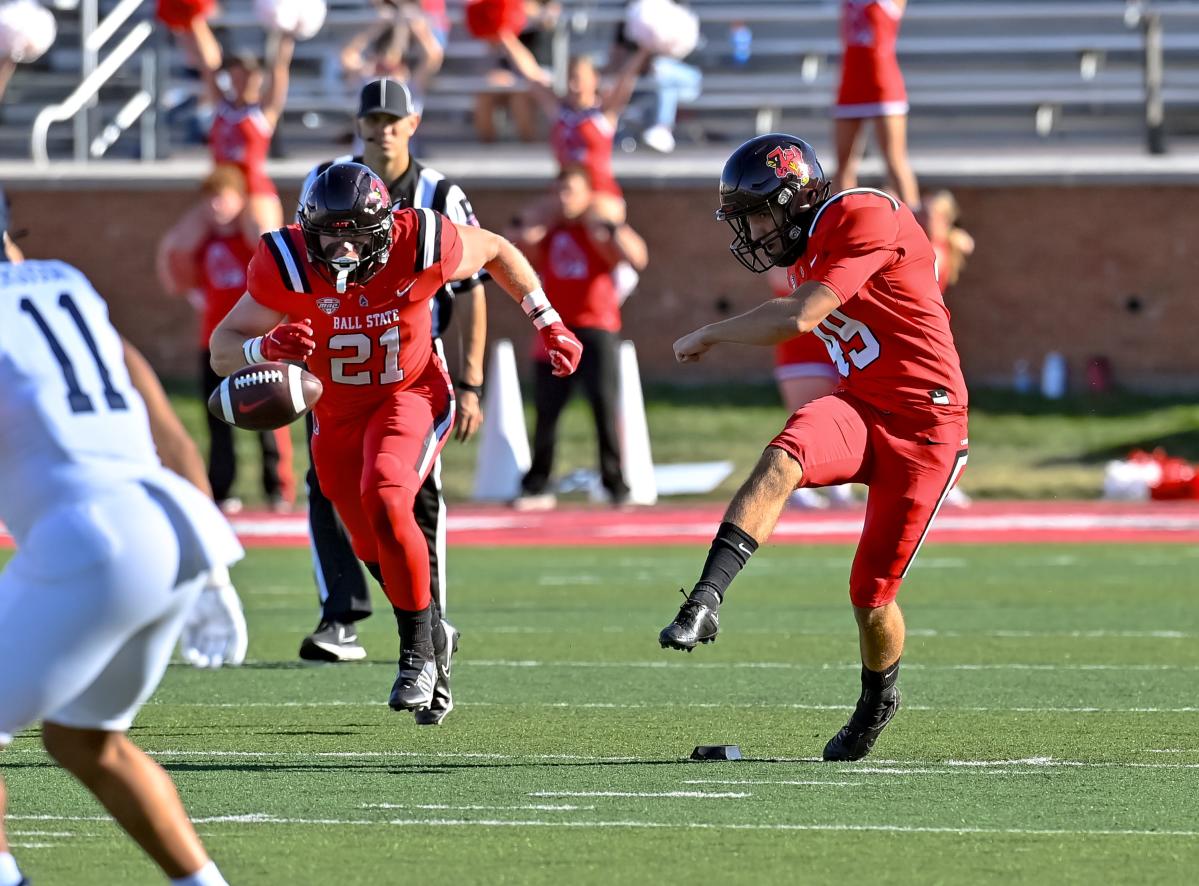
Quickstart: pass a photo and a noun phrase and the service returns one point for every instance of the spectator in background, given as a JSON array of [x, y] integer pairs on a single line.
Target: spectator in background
[[872, 89], [208, 250], [402, 46], [585, 119], [502, 91], [576, 251], [951, 244], [674, 81], [247, 115]]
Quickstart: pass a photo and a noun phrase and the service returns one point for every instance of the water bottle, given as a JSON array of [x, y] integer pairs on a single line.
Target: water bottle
[[1022, 377], [741, 42], [1053, 376]]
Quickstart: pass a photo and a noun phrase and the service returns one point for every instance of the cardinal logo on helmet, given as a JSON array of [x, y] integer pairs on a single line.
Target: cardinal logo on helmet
[[373, 202], [787, 162]]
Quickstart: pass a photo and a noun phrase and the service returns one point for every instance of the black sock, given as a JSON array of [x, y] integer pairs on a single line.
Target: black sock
[[415, 634], [731, 549], [878, 683]]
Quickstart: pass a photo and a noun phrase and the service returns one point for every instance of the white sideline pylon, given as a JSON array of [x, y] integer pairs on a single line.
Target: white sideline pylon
[[637, 463], [504, 444]]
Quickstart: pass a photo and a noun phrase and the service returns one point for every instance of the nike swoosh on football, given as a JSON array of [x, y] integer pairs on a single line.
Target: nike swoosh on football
[[246, 407]]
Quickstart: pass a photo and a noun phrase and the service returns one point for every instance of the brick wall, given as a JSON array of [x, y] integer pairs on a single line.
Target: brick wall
[[1087, 271]]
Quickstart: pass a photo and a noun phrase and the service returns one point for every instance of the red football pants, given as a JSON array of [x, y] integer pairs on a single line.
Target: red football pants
[[909, 466], [371, 467]]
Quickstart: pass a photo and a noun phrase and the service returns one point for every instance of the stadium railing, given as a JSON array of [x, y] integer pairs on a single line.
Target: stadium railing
[[960, 57]]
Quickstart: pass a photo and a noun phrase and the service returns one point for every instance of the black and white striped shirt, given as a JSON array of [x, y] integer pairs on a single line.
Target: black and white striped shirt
[[423, 188]]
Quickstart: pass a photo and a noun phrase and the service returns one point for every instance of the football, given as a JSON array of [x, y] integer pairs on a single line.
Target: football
[[265, 396]]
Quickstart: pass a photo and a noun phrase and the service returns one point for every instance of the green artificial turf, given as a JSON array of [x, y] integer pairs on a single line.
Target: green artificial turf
[[1020, 446], [1049, 733]]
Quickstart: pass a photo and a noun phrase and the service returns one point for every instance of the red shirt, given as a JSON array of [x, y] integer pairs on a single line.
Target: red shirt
[[577, 278], [221, 262], [870, 74], [372, 339], [584, 138], [242, 137], [890, 340]]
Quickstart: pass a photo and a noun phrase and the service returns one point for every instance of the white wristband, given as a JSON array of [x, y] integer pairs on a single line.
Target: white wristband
[[251, 349], [538, 309]]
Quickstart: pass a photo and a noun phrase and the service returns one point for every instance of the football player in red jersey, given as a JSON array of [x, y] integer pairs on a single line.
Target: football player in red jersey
[[865, 284], [353, 281]]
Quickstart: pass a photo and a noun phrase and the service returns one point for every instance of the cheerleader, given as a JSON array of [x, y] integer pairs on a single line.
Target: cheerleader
[[872, 89]]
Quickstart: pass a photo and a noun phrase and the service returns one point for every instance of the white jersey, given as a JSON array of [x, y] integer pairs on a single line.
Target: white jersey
[[112, 548], [71, 423]]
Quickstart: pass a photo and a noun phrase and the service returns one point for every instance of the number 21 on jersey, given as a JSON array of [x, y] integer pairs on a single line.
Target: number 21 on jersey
[[839, 332], [361, 345]]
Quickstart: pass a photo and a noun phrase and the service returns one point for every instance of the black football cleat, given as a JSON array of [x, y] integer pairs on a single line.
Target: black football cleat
[[332, 641], [414, 685], [695, 623], [858, 736], [443, 698]]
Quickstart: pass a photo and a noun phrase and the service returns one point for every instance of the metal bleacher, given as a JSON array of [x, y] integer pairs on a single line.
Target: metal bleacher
[[1013, 71]]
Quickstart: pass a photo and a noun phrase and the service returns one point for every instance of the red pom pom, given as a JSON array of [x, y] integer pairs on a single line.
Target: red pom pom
[[179, 14], [487, 19]]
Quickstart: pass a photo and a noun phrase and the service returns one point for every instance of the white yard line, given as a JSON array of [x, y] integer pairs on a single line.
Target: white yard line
[[912, 632], [606, 705], [268, 819], [43, 834], [538, 807], [756, 781], [671, 795], [843, 769], [795, 666], [639, 824]]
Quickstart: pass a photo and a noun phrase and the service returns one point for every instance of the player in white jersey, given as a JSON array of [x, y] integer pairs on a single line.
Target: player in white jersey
[[113, 552]]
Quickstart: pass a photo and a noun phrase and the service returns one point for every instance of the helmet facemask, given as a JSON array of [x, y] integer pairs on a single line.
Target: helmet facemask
[[374, 247], [791, 211]]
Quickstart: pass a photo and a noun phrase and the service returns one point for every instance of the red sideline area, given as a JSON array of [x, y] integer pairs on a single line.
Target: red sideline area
[[983, 522]]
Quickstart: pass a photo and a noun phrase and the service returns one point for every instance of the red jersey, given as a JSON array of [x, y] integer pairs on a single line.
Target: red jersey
[[221, 262], [890, 340], [372, 339], [241, 137], [578, 278], [871, 82], [584, 138]]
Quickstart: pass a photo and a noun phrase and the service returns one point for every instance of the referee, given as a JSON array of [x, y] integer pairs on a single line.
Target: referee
[[387, 119]]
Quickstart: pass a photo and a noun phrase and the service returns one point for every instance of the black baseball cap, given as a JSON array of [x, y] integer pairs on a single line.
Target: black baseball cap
[[387, 97]]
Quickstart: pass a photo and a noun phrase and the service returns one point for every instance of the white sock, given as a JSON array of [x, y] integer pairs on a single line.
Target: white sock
[[10, 874], [206, 876]]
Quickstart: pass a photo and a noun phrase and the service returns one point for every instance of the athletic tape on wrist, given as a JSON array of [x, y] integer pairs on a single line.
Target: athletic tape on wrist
[[538, 309], [251, 349]]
